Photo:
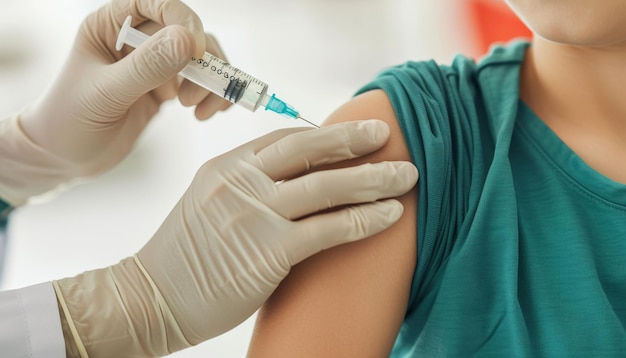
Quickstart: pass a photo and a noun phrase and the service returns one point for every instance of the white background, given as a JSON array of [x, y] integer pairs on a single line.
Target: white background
[[313, 53]]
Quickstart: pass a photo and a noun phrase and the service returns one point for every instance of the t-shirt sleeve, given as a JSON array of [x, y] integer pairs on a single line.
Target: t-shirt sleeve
[[431, 108]]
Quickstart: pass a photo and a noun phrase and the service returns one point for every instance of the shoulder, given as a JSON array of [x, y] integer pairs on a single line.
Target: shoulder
[[353, 297], [374, 104]]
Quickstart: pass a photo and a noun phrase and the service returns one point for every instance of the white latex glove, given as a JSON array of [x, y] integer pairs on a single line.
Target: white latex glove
[[103, 99], [232, 238]]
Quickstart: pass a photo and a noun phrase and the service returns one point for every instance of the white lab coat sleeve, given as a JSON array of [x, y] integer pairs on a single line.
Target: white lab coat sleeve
[[30, 325]]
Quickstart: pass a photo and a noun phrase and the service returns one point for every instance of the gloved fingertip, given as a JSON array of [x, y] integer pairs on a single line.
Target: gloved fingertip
[[407, 172], [200, 46], [226, 106], [393, 209], [378, 130], [194, 25]]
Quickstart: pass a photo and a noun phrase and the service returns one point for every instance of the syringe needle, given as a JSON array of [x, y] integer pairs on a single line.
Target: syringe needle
[[309, 122]]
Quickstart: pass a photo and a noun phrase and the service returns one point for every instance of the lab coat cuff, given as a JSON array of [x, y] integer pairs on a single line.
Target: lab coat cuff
[[31, 325]]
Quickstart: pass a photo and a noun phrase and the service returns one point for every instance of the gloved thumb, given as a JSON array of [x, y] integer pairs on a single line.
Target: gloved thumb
[[156, 61]]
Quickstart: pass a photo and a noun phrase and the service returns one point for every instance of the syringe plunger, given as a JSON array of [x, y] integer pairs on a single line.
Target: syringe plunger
[[130, 36]]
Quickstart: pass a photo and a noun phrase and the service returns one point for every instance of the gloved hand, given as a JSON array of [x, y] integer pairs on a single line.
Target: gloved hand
[[247, 217], [103, 99]]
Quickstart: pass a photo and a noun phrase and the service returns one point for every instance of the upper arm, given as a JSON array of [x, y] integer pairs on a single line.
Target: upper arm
[[348, 301]]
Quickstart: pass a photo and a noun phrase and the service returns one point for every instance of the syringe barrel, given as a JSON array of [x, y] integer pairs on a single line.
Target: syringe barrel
[[208, 72], [226, 81]]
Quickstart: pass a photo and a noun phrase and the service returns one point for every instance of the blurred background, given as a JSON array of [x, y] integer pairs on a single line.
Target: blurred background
[[313, 53]]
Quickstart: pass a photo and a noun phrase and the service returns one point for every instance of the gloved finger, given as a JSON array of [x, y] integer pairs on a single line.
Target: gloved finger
[[323, 231], [149, 27], [302, 151], [330, 188], [166, 91], [256, 145], [213, 47], [155, 62], [190, 94], [209, 106], [138, 117], [164, 12]]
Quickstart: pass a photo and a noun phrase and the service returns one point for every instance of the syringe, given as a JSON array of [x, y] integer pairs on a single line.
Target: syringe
[[219, 77]]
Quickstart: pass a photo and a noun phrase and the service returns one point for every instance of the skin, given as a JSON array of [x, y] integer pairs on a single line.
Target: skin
[[573, 76], [350, 301]]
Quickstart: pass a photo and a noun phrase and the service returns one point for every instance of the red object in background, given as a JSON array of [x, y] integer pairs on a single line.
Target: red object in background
[[495, 22]]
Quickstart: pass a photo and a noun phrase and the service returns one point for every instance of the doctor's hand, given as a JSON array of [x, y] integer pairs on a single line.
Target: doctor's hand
[[103, 98], [247, 217]]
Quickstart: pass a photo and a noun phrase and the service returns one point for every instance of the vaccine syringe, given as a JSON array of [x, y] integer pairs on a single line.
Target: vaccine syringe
[[219, 77]]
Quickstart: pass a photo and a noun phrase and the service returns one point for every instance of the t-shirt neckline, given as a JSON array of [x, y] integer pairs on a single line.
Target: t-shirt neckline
[[567, 161]]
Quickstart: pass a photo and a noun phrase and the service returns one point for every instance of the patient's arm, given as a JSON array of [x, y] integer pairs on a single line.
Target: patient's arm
[[348, 301]]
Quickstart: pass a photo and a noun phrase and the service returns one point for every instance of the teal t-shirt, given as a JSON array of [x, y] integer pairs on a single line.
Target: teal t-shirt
[[521, 245]]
